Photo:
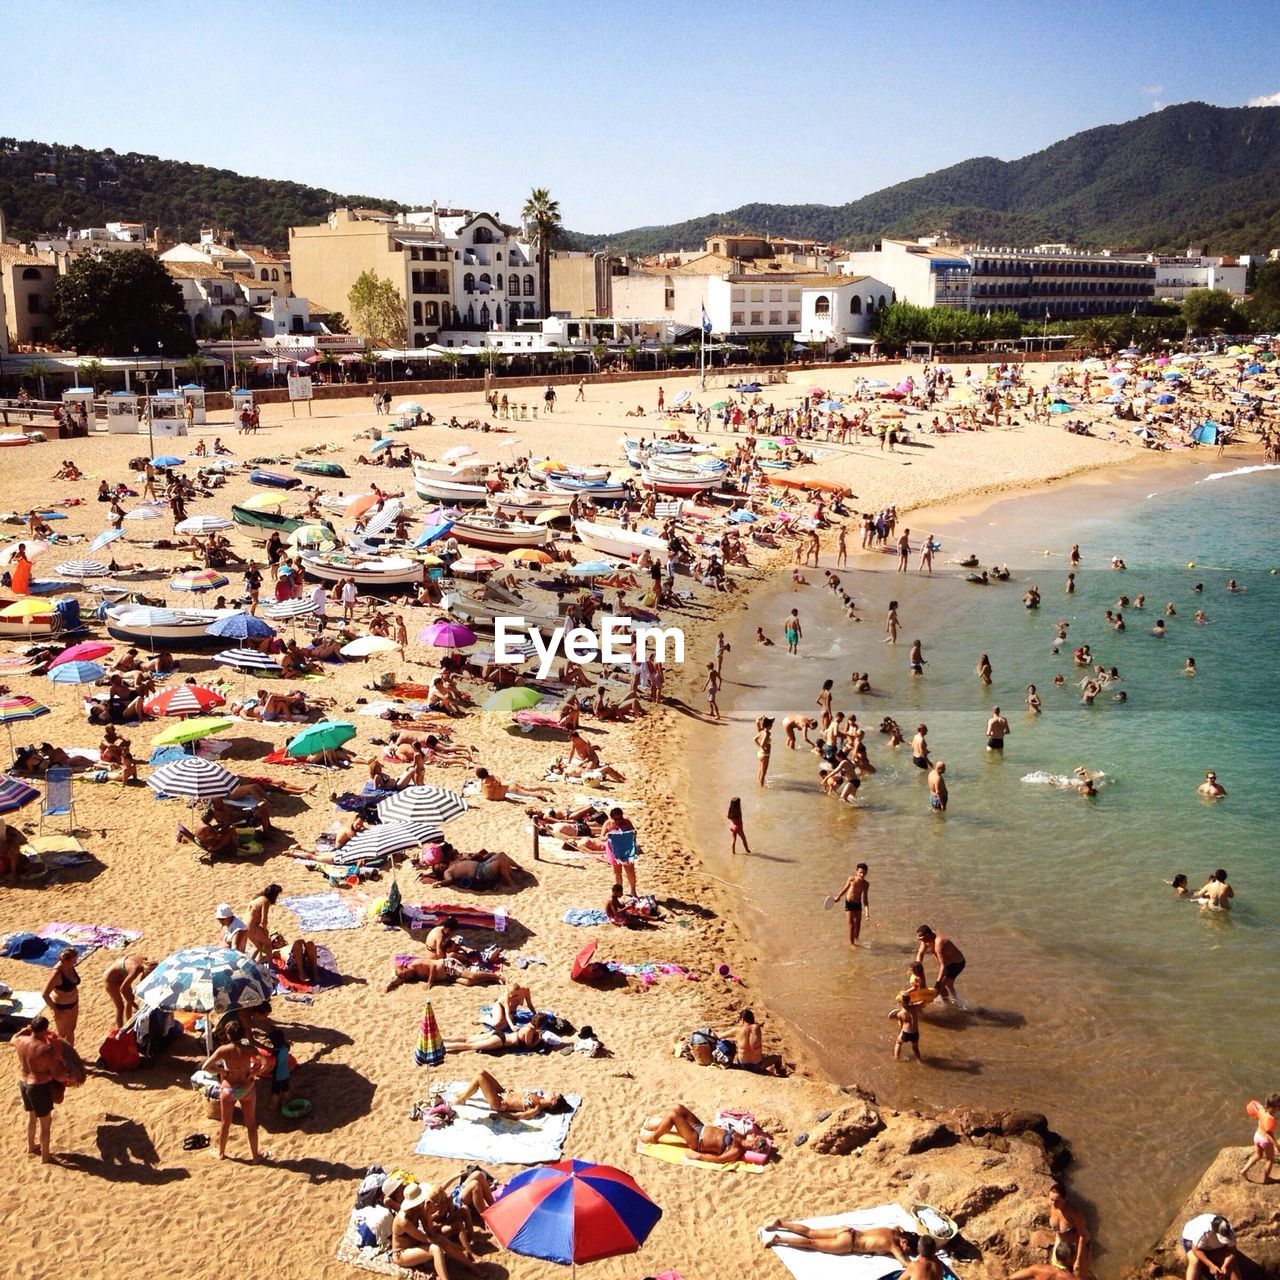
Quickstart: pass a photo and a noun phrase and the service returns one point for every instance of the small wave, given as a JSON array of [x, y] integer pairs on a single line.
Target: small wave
[[1042, 778], [1241, 471]]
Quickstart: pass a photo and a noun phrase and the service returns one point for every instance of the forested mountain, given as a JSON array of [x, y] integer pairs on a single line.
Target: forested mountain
[[45, 186], [1188, 174]]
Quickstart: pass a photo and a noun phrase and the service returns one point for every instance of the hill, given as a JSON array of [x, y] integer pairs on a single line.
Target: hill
[[1189, 174], [90, 188]]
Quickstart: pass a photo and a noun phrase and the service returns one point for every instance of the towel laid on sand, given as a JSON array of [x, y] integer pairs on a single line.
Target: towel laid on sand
[[671, 1150], [42, 948], [425, 915], [367, 1258], [329, 975], [821, 1266], [321, 912], [585, 916], [479, 1134]]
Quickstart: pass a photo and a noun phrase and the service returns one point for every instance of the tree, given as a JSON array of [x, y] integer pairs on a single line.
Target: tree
[[336, 322], [756, 350], [1204, 310], [194, 367], [631, 351], [666, 350], [788, 346], [109, 305], [541, 216], [92, 371], [599, 353], [451, 360], [377, 310], [1264, 300], [241, 367]]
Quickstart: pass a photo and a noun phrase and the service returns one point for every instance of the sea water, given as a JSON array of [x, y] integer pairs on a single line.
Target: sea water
[[1140, 1024]]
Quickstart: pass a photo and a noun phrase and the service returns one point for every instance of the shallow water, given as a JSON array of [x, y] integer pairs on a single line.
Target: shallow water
[[1138, 1023]]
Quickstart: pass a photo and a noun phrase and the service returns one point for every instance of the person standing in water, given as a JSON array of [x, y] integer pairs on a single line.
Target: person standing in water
[[764, 747], [891, 624], [904, 550], [915, 659], [920, 748], [926, 556], [711, 687], [950, 958], [736, 830], [1211, 788], [856, 894], [938, 787], [997, 730], [791, 631], [1216, 892]]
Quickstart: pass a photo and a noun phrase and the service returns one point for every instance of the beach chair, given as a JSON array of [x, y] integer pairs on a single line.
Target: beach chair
[[58, 801]]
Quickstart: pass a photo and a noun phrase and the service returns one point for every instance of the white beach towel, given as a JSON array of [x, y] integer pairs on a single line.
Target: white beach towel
[[820, 1266]]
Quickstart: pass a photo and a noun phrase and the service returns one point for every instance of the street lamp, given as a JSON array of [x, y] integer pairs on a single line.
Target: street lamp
[[135, 366]]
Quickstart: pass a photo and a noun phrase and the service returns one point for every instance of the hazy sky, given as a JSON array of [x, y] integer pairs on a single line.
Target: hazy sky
[[630, 113]]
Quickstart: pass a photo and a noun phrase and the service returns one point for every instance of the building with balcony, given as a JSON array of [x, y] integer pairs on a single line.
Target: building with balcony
[[1176, 276], [455, 269], [27, 277]]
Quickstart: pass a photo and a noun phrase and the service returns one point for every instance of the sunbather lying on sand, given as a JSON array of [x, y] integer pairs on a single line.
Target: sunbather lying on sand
[[880, 1242], [432, 971], [516, 1104], [528, 1036], [708, 1143], [493, 788]]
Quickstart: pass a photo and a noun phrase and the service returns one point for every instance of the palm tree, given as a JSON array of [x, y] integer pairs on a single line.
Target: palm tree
[[92, 370], [599, 353], [541, 216], [37, 369], [788, 347], [756, 350], [194, 367], [631, 351], [240, 368], [667, 350]]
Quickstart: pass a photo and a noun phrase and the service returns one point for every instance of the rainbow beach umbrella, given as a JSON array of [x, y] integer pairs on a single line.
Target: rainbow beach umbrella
[[14, 793], [429, 1051], [198, 580], [572, 1211]]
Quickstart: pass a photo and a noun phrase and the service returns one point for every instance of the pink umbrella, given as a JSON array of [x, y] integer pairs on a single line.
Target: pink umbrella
[[85, 651], [442, 634], [476, 564]]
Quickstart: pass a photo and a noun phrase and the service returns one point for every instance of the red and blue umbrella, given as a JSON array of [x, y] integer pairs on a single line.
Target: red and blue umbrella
[[572, 1211]]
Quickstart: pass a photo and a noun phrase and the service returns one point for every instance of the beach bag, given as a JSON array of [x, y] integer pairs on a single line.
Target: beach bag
[[701, 1047], [373, 1226], [724, 1052], [119, 1051], [391, 910], [370, 1186]]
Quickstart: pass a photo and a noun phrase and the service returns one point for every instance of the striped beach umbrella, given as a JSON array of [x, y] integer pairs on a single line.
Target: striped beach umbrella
[[241, 626], [572, 1211], [77, 673], [387, 838], [15, 793], [144, 512], [315, 537], [193, 778], [83, 569], [85, 651], [106, 538], [202, 524], [20, 706], [184, 700], [198, 580], [247, 660], [476, 564], [422, 804], [206, 980], [32, 547], [384, 518], [191, 730], [429, 1051], [288, 609]]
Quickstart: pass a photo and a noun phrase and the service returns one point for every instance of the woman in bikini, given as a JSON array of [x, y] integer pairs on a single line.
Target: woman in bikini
[[119, 982], [527, 1037], [764, 746], [62, 995], [707, 1143], [515, 1104], [239, 1065]]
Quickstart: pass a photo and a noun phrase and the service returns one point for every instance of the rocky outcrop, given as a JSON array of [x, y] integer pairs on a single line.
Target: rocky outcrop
[[847, 1129], [1252, 1209]]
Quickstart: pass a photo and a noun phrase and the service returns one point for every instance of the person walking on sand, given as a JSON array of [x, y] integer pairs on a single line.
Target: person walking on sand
[[791, 631], [856, 894], [736, 829], [764, 747], [582, 390], [938, 787], [239, 1065], [711, 687], [997, 730], [950, 960], [842, 548]]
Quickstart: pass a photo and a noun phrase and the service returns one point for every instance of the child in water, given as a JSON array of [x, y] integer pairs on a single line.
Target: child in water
[[908, 1028]]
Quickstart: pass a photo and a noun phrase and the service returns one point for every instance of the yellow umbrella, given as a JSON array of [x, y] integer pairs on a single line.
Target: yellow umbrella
[[265, 501], [530, 555], [312, 535], [190, 730], [27, 608], [427, 557]]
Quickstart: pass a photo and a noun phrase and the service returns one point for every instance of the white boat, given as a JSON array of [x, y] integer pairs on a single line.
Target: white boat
[[640, 451], [485, 530], [546, 470], [614, 540], [367, 571], [473, 471], [479, 608], [431, 487], [528, 503], [683, 484], [36, 626], [164, 628]]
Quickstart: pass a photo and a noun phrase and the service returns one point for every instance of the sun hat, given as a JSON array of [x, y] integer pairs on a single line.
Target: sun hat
[[415, 1195], [390, 1185], [223, 911]]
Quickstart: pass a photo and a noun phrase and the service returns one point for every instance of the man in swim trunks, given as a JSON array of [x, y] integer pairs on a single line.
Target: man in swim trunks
[[938, 787], [950, 960], [37, 1063], [841, 1242], [920, 748], [1217, 892], [997, 730], [239, 1065], [857, 900], [801, 725]]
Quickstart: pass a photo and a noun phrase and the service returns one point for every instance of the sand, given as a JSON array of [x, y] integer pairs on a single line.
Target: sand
[[124, 1186]]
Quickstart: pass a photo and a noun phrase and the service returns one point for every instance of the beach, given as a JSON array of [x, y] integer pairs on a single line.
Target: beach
[[123, 1135]]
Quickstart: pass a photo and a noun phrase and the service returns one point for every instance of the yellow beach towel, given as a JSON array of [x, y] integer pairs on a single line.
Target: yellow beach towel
[[671, 1150]]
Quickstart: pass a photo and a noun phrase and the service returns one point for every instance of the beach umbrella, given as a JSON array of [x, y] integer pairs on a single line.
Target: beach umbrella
[[30, 607], [429, 1051], [1059, 406], [1118, 381], [85, 651], [572, 1211], [410, 406], [202, 524], [265, 501], [1253, 368], [1165, 399], [476, 564], [198, 580], [506, 702], [77, 673], [379, 445], [322, 737], [247, 659], [458, 451], [530, 555], [589, 569], [191, 731], [432, 532], [359, 504], [1173, 375], [292, 608], [1114, 398], [206, 980], [83, 569], [681, 397], [33, 547], [241, 626], [143, 513], [722, 404], [168, 460], [19, 706], [105, 539], [385, 518], [388, 838], [193, 778], [367, 646], [831, 406], [422, 804], [315, 536], [14, 793], [1206, 433], [183, 700], [443, 634]]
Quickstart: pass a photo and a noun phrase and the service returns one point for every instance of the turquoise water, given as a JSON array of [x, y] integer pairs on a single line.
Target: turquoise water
[[1138, 1023]]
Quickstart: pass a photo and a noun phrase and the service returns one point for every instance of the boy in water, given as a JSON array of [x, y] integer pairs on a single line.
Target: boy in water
[[908, 1027], [857, 900]]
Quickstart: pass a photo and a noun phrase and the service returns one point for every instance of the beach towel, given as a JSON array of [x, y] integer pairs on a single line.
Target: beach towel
[[478, 1134], [322, 912], [58, 851], [368, 1258], [585, 916], [42, 948], [428, 914], [820, 1266], [329, 976], [670, 1149]]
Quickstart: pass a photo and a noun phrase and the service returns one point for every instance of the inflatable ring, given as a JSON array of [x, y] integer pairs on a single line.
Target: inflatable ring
[[296, 1109]]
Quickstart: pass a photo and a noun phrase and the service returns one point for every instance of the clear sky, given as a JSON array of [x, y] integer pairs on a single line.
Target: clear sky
[[630, 113]]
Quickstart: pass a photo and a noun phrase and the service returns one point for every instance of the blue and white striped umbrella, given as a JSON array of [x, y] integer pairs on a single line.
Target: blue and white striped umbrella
[[241, 626], [292, 608], [83, 569], [77, 673], [15, 793], [247, 660], [147, 616], [105, 539], [144, 513], [202, 524], [388, 838], [205, 980], [422, 804], [193, 778]]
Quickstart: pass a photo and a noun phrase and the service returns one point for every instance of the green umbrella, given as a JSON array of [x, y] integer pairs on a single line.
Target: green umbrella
[[721, 404], [508, 701], [190, 730], [324, 736]]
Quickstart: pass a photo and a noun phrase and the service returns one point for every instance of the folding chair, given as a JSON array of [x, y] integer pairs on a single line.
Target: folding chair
[[58, 801]]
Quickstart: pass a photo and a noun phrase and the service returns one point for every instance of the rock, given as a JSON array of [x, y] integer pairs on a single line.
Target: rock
[[981, 1198], [924, 1135], [801, 1139], [847, 1129]]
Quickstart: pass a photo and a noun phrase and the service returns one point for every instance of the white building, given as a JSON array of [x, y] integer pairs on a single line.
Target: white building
[[1175, 276], [920, 273], [840, 312], [219, 250]]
